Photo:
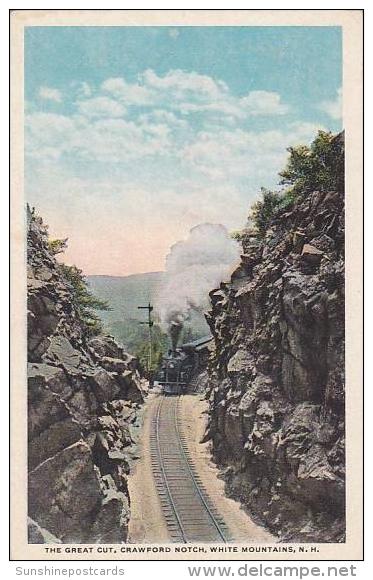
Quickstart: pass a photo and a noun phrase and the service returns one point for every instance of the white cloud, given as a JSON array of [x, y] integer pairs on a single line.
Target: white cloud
[[220, 152], [129, 94], [190, 92], [117, 140], [224, 107], [182, 84], [236, 153], [163, 116], [84, 90], [48, 135], [211, 150], [333, 108], [254, 104], [263, 103], [50, 94], [173, 33], [110, 140], [101, 107]]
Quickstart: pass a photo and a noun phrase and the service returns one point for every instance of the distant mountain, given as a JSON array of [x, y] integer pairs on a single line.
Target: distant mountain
[[126, 293]]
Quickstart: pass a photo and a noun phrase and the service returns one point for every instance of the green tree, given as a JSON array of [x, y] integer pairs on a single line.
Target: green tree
[[57, 246], [84, 301], [263, 210], [237, 235], [319, 167], [159, 347]]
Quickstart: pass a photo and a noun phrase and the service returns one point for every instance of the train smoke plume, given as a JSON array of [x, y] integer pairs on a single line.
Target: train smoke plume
[[193, 268]]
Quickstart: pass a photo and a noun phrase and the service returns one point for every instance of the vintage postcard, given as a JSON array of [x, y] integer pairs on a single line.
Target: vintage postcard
[[186, 209]]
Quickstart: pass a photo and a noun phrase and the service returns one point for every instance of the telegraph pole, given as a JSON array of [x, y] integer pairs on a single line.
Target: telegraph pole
[[149, 323]]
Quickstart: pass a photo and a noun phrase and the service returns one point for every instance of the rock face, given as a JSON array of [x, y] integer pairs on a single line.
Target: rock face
[[277, 377], [83, 400]]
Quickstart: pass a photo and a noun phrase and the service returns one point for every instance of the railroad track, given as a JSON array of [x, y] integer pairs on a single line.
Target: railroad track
[[188, 511]]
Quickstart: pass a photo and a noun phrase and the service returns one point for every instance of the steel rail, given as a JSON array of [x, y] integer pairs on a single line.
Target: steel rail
[[180, 486], [198, 489], [161, 465]]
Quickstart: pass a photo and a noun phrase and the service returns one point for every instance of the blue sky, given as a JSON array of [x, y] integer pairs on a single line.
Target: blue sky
[[161, 128]]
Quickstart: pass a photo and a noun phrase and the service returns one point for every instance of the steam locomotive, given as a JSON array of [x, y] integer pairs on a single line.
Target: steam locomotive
[[181, 364], [175, 372]]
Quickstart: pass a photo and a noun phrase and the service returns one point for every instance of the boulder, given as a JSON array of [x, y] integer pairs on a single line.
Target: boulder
[[38, 535], [105, 346], [111, 523], [240, 362], [310, 258], [62, 353], [55, 438], [51, 377], [104, 386], [298, 241], [71, 493], [116, 365], [44, 409]]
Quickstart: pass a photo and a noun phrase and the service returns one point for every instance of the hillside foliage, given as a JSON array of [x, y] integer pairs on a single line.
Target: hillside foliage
[[86, 303], [318, 167]]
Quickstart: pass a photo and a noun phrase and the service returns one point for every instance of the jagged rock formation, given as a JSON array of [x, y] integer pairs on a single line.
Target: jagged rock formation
[[83, 400], [277, 377]]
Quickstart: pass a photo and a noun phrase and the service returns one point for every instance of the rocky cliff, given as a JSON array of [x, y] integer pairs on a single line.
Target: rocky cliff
[[277, 377], [83, 400]]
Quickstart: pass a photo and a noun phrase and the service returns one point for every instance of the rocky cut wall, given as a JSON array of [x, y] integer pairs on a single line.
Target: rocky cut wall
[[277, 377], [83, 400]]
